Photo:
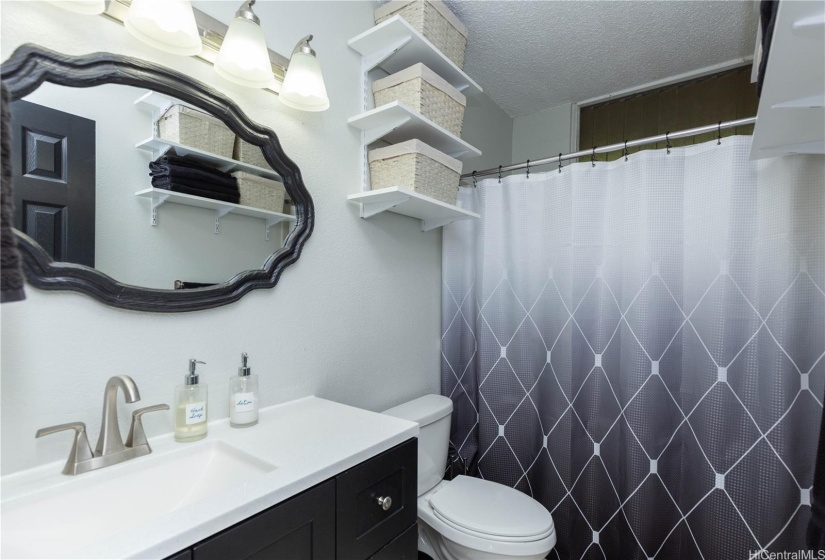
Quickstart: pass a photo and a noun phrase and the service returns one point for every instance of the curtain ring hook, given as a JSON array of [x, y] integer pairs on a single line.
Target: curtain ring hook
[[499, 174], [719, 134], [625, 150], [593, 157], [528, 169], [559, 162], [667, 142], [475, 183]]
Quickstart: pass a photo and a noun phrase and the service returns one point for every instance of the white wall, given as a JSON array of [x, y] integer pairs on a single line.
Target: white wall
[[490, 129], [356, 319], [543, 134]]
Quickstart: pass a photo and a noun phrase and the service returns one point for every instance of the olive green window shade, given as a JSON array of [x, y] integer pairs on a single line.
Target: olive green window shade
[[720, 97]]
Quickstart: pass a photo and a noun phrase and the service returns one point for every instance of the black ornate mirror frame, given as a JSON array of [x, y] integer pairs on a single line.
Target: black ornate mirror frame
[[30, 65]]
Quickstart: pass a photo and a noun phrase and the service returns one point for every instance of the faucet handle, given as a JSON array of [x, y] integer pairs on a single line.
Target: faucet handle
[[81, 450], [137, 436]]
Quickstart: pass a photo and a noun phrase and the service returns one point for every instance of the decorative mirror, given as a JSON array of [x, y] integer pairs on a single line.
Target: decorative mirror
[[144, 188]]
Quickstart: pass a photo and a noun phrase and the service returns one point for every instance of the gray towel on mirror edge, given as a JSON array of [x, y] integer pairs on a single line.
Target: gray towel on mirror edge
[[11, 276]]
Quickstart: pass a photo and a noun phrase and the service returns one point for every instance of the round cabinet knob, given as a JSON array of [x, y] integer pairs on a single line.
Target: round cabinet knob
[[385, 503]]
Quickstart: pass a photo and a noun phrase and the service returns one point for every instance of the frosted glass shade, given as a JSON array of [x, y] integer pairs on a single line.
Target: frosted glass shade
[[304, 87], [244, 58], [88, 7], [168, 25]]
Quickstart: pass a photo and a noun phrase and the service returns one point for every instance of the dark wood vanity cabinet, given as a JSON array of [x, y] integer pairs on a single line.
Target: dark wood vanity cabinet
[[366, 512], [302, 527]]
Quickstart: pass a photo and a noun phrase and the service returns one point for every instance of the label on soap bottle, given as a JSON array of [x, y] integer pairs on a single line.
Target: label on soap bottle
[[195, 412], [244, 402]]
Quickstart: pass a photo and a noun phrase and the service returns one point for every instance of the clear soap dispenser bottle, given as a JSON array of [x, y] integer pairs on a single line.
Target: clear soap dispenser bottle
[[190, 407], [243, 397]]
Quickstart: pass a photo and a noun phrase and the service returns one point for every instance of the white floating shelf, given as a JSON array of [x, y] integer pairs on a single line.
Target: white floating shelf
[[432, 213], [394, 45], [162, 196], [157, 104], [395, 122], [158, 147]]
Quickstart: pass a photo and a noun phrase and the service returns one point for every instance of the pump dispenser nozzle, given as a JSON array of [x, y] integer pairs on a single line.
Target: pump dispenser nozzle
[[192, 378], [244, 370]]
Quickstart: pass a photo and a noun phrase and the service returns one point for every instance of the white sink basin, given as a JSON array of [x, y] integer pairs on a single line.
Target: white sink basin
[[94, 506]]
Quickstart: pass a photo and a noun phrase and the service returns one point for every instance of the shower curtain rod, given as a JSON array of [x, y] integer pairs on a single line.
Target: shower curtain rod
[[719, 127]]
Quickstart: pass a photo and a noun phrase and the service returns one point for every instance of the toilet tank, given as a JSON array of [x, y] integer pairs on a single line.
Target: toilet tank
[[433, 414]]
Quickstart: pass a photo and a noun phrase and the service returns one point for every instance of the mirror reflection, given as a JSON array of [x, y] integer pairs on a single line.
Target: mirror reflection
[[142, 188]]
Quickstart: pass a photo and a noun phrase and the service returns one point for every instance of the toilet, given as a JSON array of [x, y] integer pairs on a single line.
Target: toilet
[[469, 518]]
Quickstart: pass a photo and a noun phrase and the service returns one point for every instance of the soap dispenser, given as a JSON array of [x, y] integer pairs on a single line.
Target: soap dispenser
[[243, 397], [190, 407]]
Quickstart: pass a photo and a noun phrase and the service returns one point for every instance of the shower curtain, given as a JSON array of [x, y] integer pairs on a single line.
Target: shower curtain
[[639, 346]]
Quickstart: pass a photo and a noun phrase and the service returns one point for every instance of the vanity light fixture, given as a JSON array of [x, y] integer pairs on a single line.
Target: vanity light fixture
[[304, 87], [86, 7], [237, 51], [244, 57], [168, 25]]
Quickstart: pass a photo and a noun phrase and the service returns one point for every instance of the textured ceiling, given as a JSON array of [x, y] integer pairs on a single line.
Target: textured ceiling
[[531, 55]]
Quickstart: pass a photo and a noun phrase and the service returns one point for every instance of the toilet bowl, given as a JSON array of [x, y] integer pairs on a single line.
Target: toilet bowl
[[469, 518]]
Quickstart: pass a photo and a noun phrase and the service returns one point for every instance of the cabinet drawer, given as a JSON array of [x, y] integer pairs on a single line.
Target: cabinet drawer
[[364, 526], [404, 547], [302, 528]]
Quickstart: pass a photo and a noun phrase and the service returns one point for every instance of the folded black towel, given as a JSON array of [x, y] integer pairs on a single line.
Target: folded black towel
[[171, 186], [162, 180], [194, 175], [189, 162], [11, 276], [177, 167]]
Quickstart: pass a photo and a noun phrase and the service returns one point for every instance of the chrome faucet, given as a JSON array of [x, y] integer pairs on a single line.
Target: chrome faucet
[[110, 449]]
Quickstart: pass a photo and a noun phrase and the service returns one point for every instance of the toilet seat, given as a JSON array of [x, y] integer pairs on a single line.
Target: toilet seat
[[515, 546], [489, 510], [516, 539]]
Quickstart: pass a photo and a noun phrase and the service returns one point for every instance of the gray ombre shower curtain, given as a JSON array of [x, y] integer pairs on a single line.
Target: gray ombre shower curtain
[[639, 346]]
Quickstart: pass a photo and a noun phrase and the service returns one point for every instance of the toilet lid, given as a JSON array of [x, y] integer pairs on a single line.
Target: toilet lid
[[491, 509]]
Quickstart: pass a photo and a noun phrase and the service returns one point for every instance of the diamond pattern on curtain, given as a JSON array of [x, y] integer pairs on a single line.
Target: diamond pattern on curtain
[[640, 346]]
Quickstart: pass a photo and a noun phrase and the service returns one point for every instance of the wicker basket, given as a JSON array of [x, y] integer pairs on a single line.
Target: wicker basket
[[434, 20], [259, 192], [197, 130], [249, 153], [416, 166], [425, 91]]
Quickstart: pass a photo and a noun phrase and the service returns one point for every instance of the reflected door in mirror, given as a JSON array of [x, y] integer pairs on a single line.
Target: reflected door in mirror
[[54, 180]]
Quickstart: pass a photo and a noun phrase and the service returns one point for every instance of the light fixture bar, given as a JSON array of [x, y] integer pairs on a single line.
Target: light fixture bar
[[212, 33]]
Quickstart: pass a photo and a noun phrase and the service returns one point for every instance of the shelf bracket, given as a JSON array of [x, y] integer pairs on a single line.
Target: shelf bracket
[[378, 57], [379, 132], [427, 225], [368, 210], [156, 202], [220, 213], [271, 222]]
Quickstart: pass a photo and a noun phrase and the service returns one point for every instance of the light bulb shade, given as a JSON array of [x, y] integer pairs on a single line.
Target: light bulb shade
[[304, 87], [87, 7], [168, 25], [244, 58]]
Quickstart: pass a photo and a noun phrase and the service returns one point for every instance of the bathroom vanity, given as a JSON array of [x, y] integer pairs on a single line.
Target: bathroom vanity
[[314, 479], [368, 511]]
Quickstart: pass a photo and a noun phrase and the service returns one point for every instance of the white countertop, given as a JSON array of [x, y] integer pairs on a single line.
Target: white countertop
[[309, 440]]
